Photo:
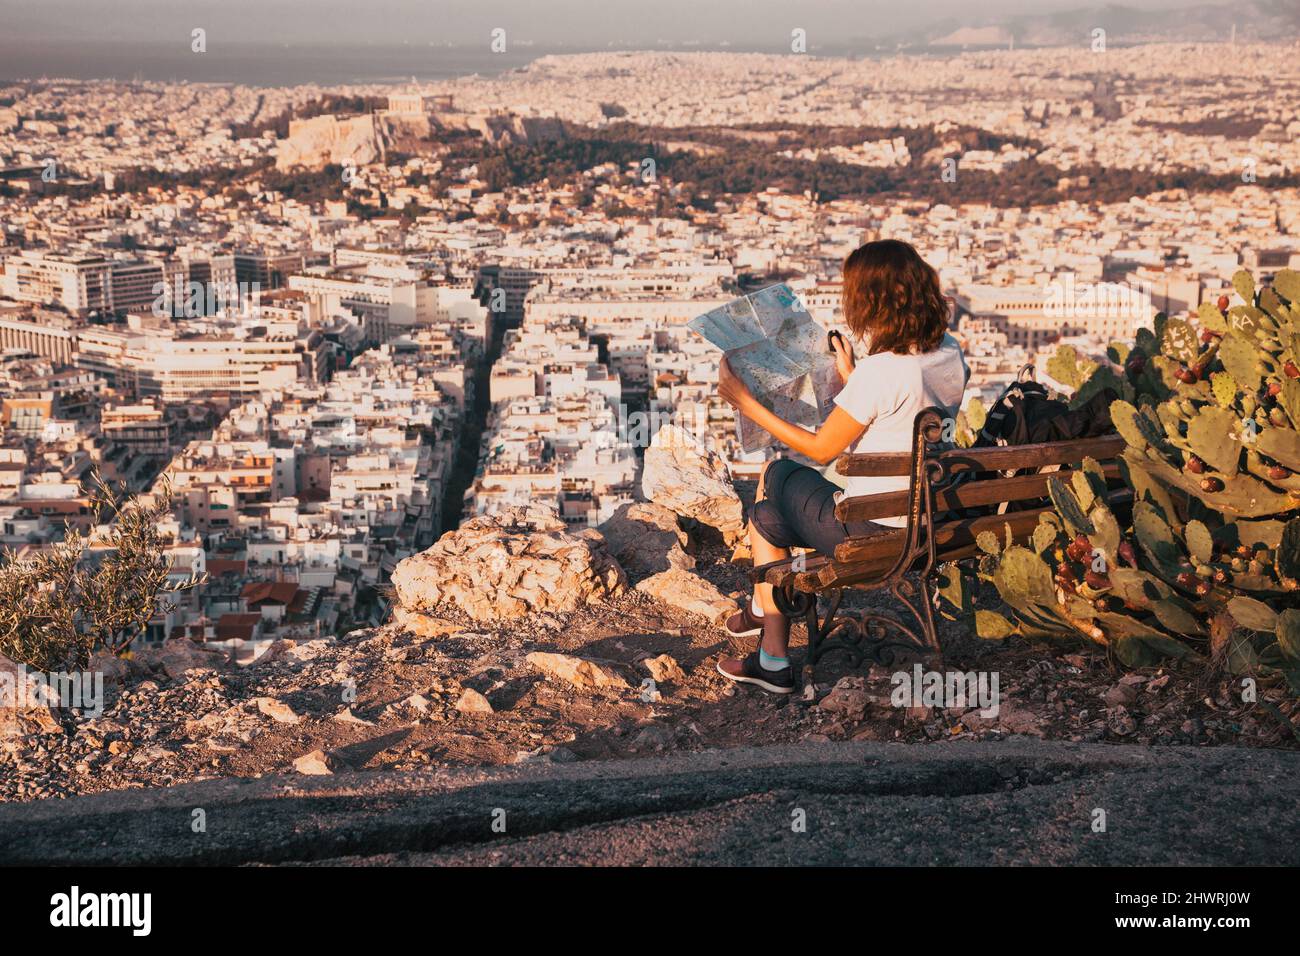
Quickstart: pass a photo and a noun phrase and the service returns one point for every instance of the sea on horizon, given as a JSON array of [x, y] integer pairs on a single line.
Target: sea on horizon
[[275, 64]]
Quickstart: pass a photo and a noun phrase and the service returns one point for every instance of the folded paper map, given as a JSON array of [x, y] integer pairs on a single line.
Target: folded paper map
[[779, 352]]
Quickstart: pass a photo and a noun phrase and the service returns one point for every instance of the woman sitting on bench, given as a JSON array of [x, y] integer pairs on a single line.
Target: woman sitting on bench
[[894, 305]]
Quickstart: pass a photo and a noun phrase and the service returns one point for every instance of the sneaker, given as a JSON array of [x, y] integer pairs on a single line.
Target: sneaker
[[744, 623], [749, 671]]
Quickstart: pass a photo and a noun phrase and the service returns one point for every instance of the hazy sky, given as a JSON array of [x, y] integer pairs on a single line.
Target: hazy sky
[[576, 22]]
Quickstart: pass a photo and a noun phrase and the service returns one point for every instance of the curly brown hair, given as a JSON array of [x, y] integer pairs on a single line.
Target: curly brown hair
[[892, 298]]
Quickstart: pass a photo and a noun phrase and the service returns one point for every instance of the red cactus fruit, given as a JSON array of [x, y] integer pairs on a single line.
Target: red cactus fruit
[[1079, 548], [1096, 581]]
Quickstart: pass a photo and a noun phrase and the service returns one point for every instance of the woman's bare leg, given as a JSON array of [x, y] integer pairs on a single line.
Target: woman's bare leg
[[765, 553], [775, 639], [769, 667]]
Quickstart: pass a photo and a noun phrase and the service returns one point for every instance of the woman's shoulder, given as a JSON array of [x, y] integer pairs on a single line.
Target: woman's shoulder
[[884, 372], [879, 360], [887, 373], [949, 348]]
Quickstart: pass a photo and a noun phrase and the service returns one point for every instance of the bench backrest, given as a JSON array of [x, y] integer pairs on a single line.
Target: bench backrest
[[979, 493], [1003, 458]]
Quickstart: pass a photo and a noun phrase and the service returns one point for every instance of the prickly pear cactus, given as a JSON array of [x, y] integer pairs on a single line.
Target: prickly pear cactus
[[1206, 563], [1069, 368], [968, 424]]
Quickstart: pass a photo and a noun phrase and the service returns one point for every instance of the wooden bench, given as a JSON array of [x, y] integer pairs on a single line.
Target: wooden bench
[[940, 528]]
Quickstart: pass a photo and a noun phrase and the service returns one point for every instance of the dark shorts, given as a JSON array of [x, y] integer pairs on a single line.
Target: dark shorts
[[798, 510]]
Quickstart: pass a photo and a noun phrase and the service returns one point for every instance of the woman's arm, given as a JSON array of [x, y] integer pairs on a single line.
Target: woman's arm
[[823, 446]]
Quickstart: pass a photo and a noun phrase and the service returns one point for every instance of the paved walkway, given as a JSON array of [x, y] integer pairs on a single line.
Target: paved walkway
[[1013, 801]]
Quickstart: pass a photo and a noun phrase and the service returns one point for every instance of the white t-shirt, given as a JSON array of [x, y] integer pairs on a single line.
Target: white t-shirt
[[885, 392]]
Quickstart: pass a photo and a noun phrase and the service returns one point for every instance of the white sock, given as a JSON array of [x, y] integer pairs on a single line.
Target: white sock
[[755, 608]]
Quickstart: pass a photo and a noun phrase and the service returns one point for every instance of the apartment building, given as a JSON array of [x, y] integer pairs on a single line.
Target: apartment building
[[144, 428], [602, 307], [393, 299], [51, 335], [84, 284], [1033, 317], [197, 361], [81, 284]]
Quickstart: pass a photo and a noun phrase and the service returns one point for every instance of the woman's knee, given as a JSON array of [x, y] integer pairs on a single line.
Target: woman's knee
[[766, 521], [772, 477], [762, 479]]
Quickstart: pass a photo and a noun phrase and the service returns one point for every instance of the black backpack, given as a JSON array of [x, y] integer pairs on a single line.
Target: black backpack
[[1026, 414]]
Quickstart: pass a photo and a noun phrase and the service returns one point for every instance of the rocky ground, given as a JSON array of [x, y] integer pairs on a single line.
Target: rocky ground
[[516, 639], [391, 699]]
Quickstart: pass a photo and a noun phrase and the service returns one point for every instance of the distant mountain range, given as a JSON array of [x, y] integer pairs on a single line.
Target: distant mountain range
[[1255, 20]]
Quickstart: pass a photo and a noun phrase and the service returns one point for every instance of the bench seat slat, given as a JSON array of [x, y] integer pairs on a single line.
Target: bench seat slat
[[1002, 458], [778, 573], [972, 494], [946, 534], [954, 542], [954, 534]]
